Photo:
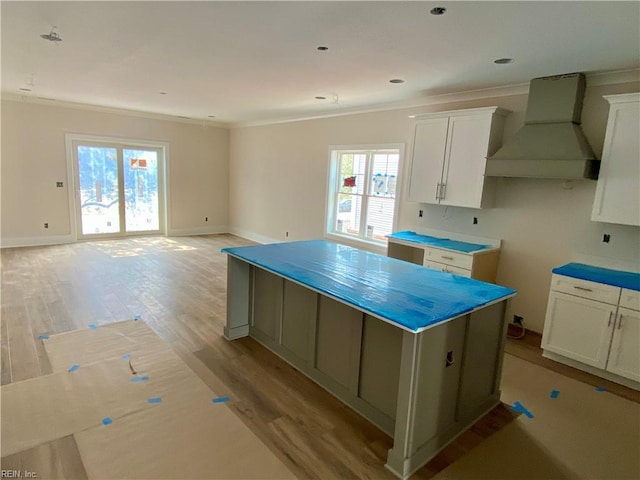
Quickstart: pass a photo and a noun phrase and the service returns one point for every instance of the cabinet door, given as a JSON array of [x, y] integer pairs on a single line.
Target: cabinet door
[[624, 358], [466, 157], [578, 328], [428, 157], [617, 198]]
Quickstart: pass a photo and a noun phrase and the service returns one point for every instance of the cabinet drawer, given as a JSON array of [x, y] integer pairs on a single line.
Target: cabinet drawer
[[630, 299], [586, 289], [454, 259], [447, 268]]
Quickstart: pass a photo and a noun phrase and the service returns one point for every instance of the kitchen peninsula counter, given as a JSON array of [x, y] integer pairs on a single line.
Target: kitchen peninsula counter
[[416, 351]]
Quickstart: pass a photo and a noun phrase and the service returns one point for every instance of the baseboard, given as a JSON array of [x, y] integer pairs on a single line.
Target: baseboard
[[253, 236], [13, 242], [205, 230]]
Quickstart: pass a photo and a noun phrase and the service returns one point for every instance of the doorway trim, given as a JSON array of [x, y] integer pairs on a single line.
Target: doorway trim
[[72, 176]]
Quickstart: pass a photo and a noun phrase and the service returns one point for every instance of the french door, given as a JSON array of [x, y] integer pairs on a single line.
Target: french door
[[118, 188]]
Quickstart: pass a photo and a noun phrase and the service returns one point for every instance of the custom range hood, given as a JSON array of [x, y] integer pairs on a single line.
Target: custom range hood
[[551, 143]]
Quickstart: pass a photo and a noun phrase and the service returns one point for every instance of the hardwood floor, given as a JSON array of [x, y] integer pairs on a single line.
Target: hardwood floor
[[178, 286]]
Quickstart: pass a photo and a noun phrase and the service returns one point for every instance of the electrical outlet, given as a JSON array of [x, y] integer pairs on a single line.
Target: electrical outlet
[[420, 213], [206, 219], [59, 184], [286, 234], [475, 220], [606, 238], [518, 320], [46, 225]]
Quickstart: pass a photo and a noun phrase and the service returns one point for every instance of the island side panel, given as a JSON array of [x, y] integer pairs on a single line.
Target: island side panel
[[380, 365], [300, 308], [481, 370], [338, 342], [238, 298], [438, 399], [267, 304]]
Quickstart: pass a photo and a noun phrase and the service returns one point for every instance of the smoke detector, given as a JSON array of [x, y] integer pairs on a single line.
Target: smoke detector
[[52, 36]]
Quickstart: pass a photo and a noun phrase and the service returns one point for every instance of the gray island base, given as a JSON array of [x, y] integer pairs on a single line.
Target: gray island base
[[416, 351]]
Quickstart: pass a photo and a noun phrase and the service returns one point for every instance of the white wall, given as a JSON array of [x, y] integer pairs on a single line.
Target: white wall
[[278, 176], [34, 159]]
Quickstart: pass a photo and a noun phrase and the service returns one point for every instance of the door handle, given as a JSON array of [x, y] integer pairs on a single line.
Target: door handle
[[620, 322], [445, 257], [609, 323]]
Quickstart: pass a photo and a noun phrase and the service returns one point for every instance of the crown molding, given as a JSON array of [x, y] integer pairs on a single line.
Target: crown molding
[[593, 79], [112, 110]]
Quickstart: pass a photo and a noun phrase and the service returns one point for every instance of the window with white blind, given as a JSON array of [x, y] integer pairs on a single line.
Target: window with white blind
[[362, 192]]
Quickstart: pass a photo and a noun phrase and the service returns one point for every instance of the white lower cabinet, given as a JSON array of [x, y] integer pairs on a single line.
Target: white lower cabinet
[[589, 326], [624, 358]]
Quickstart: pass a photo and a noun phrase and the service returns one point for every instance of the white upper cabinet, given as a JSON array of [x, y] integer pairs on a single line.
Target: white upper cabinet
[[617, 198], [450, 152]]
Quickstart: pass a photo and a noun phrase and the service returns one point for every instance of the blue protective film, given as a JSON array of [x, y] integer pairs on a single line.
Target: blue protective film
[[409, 295], [447, 243], [617, 278]]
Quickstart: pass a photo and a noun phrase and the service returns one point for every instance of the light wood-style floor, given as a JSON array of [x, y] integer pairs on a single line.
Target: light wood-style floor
[[178, 286]]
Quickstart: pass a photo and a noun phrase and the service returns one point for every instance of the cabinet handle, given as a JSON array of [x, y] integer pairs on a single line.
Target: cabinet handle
[[585, 289], [438, 192], [445, 257], [609, 323], [620, 322], [443, 191]]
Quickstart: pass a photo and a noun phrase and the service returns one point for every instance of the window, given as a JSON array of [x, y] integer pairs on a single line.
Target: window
[[362, 192]]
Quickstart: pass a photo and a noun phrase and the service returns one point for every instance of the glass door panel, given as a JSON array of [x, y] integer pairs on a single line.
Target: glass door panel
[[142, 212], [99, 189]]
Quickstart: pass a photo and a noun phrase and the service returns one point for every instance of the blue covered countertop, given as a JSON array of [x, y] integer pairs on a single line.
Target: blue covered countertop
[[439, 242], [408, 295], [617, 278]]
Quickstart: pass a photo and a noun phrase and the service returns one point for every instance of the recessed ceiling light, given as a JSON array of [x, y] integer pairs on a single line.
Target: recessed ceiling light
[[52, 36], [25, 89], [396, 80], [162, 93], [438, 11], [503, 61], [321, 98], [322, 48]]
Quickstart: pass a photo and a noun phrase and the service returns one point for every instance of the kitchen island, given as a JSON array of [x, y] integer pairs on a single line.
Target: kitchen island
[[416, 351]]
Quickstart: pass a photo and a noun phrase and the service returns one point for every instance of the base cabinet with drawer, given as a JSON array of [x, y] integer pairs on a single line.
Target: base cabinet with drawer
[[594, 327], [480, 264]]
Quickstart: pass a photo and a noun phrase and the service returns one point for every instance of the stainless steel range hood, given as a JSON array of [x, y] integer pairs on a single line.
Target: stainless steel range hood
[[551, 143]]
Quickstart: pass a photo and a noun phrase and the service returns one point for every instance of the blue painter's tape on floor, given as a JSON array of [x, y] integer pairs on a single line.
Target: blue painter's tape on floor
[[220, 400], [518, 407], [142, 378], [137, 317], [107, 421], [601, 389], [554, 394], [93, 326], [43, 337], [155, 400], [126, 356], [74, 367]]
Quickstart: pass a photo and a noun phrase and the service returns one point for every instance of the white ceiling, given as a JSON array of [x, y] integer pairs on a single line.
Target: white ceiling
[[245, 62]]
